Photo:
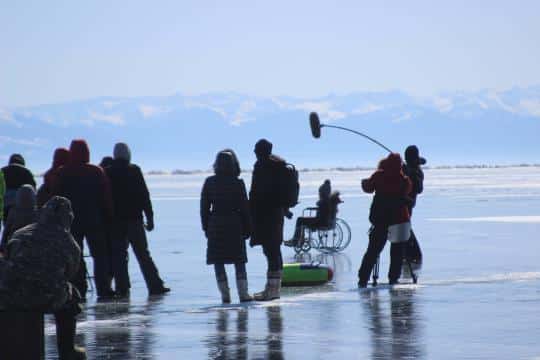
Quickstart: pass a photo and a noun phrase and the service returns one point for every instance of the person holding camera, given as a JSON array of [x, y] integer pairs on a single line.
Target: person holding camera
[[389, 207]]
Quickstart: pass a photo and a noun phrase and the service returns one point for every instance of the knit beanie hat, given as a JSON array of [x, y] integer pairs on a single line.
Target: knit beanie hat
[[121, 151]]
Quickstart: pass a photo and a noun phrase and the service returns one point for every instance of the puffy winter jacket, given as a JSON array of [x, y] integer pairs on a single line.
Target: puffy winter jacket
[[86, 186], [391, 187], [129, 191]]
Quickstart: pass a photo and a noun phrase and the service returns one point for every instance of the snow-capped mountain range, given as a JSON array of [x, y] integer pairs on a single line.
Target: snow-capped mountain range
[[185, 131]]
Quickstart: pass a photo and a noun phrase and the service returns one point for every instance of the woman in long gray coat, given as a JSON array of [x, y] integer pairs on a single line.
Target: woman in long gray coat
[[226, 223]]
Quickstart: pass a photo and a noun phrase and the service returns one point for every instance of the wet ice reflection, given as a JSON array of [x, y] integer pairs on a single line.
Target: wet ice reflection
[[477, 295], [396, 325], [231, 339]]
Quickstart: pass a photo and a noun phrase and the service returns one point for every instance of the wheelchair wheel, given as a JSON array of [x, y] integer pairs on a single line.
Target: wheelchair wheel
[[330, 240], [346, 231]]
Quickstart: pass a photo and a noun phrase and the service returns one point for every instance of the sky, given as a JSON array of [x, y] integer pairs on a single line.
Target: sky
[[57, 51]]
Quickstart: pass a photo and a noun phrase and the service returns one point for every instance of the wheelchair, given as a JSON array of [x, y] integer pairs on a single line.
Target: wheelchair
[[334, 237]]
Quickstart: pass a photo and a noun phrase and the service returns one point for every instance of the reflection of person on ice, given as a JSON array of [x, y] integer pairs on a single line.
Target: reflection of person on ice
[[389, 207], [412, 168]]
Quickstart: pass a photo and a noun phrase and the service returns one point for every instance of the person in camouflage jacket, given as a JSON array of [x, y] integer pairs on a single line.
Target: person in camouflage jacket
[[40, 260]]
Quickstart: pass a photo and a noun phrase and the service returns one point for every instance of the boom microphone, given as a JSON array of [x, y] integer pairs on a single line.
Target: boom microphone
[[315, 125]]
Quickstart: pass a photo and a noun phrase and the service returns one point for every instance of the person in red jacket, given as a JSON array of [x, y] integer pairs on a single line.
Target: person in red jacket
[[60, 158], [88, 189], [389, 207]]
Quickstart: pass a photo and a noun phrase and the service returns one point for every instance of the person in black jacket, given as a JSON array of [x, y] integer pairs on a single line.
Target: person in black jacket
[[131, 199], [412, 168], [267, 213], [226, 223], [15, 176], [88, 189]]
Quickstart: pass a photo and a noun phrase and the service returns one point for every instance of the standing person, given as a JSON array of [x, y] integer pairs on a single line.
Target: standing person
[[267, 213], [45, 191], [35, 274], [15, 176], [106, 162], [389, 207], [23, 213], [131, 199], [2, 193], [413, 170], [226, 223], [88, 189]]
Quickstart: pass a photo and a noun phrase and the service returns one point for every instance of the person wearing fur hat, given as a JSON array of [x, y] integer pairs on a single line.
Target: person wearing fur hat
[[15, 175], [131, 200], [88, 189], [267, 215], [389, 207], [413, 169]]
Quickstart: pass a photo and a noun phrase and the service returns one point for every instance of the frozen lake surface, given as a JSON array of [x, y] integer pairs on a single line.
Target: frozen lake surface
[[478, 294]]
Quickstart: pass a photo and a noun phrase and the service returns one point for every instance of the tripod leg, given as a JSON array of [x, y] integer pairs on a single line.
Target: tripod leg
[[413, 275]]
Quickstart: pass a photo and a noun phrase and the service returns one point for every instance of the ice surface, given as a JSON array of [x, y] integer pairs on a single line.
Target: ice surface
[[478, 294]]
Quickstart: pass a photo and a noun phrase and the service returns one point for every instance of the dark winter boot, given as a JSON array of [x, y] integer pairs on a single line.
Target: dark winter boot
[[272, 289], [242, 287], [65, 338], [223, 287]]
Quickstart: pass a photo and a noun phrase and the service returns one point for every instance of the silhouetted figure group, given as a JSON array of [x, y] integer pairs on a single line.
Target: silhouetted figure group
[[42, 267], [229, 219], [396, 186]]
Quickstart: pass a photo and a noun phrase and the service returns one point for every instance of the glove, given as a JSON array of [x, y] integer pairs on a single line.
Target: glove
[[149, 224]]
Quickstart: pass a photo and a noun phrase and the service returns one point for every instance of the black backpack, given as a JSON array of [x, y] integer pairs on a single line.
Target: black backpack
[[289, 187]]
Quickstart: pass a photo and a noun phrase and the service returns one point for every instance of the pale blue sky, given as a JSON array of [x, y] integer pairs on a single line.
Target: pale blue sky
[[54, 51]]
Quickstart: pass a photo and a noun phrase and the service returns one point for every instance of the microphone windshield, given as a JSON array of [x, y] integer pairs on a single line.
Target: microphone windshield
[[315, 125]]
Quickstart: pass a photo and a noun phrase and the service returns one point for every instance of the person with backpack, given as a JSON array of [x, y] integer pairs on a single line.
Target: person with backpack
[[267, 211], [226, 223], [412, 168], [15, 176], [388, 208]]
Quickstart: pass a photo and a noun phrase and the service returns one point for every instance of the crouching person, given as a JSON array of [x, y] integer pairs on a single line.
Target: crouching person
[[226, 223], [40, 260]]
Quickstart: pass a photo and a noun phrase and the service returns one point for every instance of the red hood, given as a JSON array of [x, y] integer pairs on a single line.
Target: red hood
[[391, 164], [79, 151], [61, 157]]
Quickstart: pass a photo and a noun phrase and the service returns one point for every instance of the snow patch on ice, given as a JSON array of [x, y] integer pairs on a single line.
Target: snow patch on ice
[[528, 219]]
